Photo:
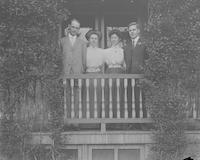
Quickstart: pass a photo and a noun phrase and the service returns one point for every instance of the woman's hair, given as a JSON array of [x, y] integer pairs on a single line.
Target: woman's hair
[[91, 32], [116, 32], [134, 24]]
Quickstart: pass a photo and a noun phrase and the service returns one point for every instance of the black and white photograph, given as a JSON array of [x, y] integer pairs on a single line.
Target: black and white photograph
[[99, 79]]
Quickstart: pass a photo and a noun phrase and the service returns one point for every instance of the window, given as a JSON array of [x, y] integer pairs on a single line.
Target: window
[[102, 154], [116, 152], [128, 154]]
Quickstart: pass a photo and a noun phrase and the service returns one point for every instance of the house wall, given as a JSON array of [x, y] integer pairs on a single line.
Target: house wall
[[85, 142]]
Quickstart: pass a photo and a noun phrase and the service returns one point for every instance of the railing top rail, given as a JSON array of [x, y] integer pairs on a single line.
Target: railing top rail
[[104, 76]]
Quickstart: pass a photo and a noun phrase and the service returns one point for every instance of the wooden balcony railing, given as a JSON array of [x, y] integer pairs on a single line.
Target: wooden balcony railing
[[104, 98], [97, 98], [109, 98]]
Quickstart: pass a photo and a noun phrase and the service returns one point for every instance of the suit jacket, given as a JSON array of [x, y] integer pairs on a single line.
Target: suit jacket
[[134, 57], [73, 56]]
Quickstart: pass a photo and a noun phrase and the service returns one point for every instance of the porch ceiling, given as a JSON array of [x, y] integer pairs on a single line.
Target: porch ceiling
[[108, 7]]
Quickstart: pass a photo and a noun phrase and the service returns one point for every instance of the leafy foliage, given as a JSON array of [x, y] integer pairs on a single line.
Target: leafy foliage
[[29, 31], [173, 39], [13, 138]]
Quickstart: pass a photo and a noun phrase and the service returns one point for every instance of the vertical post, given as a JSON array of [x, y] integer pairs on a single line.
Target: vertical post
[[87, 99], [141, 111], [133, 98], [95, 98], [125, 98], [118, 98], [116, 153], [103, 97], [110, 99], [65, 98], [72, 98], [102, 31], [80, 98]]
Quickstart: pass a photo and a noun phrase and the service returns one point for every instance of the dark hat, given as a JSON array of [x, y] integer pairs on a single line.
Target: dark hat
[[117, 32], [90, 32]]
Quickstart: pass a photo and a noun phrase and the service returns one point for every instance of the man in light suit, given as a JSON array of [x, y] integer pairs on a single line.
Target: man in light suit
[[73, 50], [74, 59], [135, 56]]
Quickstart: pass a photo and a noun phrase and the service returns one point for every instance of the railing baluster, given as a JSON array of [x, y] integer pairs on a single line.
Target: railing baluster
[[65, 98], [110, 99], [125, 98], [95, 98], [141, 111], [72, 98], [133, 98], [80, 97], [118, 98], [103, 97], [87, 99], [75, 108]]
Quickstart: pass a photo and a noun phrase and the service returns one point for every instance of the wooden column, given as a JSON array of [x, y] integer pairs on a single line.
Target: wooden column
[[133, 98], [110, 99], [103, 97], [118, 98], [102, 31], [80, 97], [72, 98], [125, 98], [65, 98], [95, 98], [87, 99]]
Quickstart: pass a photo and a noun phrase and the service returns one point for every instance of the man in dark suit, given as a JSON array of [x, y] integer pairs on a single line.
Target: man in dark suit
[[135, 55], [134, 51], [73, 51]]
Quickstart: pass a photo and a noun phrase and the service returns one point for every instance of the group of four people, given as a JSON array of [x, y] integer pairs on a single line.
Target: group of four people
[[80, 57]]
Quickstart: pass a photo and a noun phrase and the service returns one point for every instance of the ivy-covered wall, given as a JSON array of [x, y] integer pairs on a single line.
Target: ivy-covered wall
[[30, 63], [29, 66], [172, 71]]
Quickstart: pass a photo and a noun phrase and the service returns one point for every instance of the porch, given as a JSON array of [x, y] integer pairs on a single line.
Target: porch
[[129, 110], [96, 134], [97, 102]]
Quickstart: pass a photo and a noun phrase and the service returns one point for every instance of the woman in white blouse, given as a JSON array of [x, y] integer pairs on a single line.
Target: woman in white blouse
[[95, 65], [114, 59], [95, 55], [114, 56]]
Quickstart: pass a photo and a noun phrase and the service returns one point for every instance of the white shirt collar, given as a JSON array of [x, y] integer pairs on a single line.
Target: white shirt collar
[[72, 37], [135, 40], [91, 47]]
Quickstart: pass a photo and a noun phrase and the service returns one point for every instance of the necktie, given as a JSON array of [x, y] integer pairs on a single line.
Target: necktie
[[133, 43]]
